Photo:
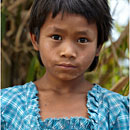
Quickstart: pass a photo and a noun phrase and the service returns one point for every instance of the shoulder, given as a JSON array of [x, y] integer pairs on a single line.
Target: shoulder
[[109, 99], [13, 95], [15, 103], [14, 100], [114, 99], [114, 108]]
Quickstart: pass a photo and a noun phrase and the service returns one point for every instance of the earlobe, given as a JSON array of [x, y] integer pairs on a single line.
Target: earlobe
[[34, 42], [98, 50]]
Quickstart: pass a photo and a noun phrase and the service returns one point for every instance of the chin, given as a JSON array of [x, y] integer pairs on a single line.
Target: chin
[[67, 77]]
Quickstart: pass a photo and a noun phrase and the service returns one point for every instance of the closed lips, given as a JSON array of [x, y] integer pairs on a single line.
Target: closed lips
[[67, 65]]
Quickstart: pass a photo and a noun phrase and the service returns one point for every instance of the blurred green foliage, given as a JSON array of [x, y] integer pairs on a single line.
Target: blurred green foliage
[[35, 70]]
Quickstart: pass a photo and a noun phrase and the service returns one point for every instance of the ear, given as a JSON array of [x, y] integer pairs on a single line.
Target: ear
[[34, 42], [98, 50]]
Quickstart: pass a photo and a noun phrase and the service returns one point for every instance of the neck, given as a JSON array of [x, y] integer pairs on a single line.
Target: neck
[[64, 86]]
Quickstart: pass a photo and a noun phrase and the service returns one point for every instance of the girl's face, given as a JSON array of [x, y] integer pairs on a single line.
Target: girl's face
[[67, 45]]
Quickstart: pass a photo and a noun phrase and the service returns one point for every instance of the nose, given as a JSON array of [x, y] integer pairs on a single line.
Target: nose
[[68, 50]]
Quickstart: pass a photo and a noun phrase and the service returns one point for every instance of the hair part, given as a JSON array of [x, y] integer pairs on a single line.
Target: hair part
[[96, 11]]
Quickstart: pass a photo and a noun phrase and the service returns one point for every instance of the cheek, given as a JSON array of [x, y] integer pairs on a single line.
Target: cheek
[[47, 55], [87, 57], [44, 55]]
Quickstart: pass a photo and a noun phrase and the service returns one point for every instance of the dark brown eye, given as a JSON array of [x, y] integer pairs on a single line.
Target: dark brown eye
[[56, 37], [82, 40]]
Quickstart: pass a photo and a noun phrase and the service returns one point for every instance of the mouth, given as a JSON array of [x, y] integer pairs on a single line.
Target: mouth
[[67, 65]]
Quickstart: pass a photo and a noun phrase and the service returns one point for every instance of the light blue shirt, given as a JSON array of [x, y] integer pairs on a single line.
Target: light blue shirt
[[20, 111]]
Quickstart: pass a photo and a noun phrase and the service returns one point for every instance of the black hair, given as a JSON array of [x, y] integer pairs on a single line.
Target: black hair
[[96, 11]]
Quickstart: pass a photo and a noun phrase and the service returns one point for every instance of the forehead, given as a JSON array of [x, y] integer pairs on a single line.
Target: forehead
[[76, 21]]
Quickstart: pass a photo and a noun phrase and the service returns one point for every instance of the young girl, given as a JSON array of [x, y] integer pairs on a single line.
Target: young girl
[[68, 35]]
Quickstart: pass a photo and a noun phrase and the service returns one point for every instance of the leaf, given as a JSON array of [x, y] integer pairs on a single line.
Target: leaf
[[126, 90], [121, 83], [32, 70]]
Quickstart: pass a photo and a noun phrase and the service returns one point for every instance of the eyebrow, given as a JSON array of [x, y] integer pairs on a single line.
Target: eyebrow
[[55, 29], [84, 32]]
